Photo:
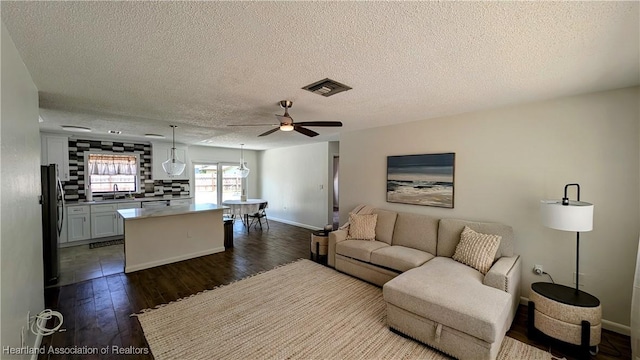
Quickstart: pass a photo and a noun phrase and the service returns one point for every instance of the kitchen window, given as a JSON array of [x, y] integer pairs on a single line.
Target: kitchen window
[[110, 172]]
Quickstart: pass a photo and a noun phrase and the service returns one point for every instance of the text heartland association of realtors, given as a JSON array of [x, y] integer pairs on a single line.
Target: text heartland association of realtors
[[75, 350]]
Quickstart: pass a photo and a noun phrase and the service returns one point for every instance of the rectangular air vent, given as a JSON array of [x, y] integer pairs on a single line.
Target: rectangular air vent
[[326, 87]]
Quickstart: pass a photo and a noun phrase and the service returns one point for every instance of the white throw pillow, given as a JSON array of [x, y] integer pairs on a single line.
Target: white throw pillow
[[477, 250], [362, 226]]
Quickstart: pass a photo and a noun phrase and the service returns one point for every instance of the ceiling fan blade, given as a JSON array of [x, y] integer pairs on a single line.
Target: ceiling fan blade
[[252, 125], [320, 123], [305, 131], [269, 132]]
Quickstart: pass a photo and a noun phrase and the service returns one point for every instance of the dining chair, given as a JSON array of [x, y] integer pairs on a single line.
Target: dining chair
[[256, 218]]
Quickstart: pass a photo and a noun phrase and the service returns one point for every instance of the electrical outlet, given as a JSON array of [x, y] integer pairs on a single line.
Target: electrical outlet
[[583, 277], [537, 269]]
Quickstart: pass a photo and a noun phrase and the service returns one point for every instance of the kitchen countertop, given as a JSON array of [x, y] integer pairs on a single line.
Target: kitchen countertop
[[111, 201], [141, 213]]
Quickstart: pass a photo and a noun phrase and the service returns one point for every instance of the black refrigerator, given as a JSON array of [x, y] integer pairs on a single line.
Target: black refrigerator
[[52, 201]]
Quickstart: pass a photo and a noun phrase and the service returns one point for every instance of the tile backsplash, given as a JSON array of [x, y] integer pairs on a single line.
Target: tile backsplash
[[75, 188]]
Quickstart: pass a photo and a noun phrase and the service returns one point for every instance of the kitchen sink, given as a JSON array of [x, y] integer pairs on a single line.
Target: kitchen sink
[[113, 196]]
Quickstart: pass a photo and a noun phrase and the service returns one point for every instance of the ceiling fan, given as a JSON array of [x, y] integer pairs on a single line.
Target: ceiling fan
[[287, 123]]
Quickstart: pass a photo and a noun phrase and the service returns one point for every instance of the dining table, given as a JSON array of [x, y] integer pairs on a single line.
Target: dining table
[[242, 209]]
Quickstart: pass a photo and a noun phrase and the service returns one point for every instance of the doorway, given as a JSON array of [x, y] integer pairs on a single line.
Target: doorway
[[336, 207], [210, 188]]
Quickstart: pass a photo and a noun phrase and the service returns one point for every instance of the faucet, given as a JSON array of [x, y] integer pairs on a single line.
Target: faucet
[[115, 189]]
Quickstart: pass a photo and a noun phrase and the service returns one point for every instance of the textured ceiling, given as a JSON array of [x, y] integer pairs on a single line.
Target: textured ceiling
[[139, 66]]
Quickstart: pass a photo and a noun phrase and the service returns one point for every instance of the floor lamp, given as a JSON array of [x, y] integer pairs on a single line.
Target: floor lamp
[[568, 215]]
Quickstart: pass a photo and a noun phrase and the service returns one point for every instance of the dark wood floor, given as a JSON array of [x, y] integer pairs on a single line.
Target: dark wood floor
[[96, 312]]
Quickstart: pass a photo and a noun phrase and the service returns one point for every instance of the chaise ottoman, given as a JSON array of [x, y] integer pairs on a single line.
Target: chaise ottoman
[[445, 305]]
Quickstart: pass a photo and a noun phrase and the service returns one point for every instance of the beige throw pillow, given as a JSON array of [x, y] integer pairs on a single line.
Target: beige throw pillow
[[477, 250], [362, 226]]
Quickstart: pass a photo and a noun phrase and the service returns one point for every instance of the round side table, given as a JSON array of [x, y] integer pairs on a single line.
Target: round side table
[[319, 246], [566, 314]]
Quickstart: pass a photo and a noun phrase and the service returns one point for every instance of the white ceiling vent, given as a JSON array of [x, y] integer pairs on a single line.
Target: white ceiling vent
[[326, 87]]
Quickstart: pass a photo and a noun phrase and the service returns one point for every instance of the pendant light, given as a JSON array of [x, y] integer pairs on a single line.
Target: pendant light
[[173, 166], [242, 171]]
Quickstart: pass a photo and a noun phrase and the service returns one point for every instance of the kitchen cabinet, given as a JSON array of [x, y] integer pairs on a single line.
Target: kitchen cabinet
[[180, 202], [127, 205], [160, 152], [55, 150], [104, 220], [155, 204], [78, 223]]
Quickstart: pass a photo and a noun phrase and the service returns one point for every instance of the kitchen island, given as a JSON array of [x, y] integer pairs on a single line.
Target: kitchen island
[[158, 236]]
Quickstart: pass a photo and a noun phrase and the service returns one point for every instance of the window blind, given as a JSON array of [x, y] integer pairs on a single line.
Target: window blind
[[107, 164]]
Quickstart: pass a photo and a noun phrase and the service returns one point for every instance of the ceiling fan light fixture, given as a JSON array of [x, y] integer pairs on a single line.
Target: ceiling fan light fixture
[[286, 127]]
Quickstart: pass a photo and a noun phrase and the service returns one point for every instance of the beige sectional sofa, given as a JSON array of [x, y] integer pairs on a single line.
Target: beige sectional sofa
[[431, 297]]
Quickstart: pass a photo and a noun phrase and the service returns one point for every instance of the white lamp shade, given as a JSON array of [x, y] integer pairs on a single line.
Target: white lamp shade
[[577, 216]]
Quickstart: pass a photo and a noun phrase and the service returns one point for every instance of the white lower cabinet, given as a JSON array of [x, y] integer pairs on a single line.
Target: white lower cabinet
[[84, 222], [104, 220], [155, 204], [128, 205], [78, 223], [180, 202]]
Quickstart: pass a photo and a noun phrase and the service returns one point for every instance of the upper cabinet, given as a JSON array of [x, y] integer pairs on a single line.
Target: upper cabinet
[[55, 150], [160, 152]]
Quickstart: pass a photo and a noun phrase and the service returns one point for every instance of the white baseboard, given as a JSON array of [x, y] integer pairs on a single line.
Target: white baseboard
[[310, 227], [615, 327], [128, 269], [606, 324]]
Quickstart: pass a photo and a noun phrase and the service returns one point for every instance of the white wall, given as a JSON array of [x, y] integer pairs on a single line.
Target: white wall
[[21, 233], [217, 154], [507, 160], [635, 303], [296, 182]]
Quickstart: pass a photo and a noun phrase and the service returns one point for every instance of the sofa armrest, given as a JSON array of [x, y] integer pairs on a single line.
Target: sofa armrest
[[334, 238], [505, 275]]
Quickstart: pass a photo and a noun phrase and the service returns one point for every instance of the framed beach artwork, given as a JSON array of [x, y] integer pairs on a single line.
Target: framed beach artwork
[[425, 179]]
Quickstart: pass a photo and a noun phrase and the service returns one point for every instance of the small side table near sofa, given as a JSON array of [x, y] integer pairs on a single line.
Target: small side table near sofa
[[566, 314], [319, 246]]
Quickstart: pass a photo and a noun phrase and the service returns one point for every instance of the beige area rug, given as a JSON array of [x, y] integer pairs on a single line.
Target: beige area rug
[[297, 311]]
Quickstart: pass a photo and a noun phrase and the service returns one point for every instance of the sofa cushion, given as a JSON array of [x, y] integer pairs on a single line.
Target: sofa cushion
[[476, 250], [416, 231], [449, 232], [452, 294], [385, 224], [399, 258], [362, 226], [359, 249]]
